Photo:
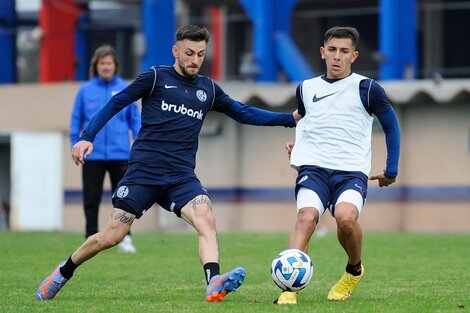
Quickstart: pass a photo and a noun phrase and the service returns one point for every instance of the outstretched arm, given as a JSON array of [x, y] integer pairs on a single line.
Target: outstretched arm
[[250, 115]]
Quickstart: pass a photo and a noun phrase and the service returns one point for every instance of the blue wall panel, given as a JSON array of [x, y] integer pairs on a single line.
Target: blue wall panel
[[7, 42]]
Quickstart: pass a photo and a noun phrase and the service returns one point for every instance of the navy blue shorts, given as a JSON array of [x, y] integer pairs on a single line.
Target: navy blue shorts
[[139, 190], [330, 184]]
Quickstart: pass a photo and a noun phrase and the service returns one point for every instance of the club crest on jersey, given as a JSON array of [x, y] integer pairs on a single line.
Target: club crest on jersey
[[201, 95], [122, 192]]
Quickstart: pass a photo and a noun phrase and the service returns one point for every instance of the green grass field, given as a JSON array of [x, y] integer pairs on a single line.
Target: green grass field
[[404, 273]]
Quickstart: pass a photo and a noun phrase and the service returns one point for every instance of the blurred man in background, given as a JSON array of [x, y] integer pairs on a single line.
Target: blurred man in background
[[112, 143]]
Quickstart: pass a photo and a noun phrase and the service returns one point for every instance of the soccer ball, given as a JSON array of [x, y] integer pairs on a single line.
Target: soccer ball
[[292, 270]]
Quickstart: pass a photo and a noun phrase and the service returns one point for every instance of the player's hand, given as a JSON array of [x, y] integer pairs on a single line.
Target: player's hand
[[289, 146], [297, 116], [80, 151], [384, 181]]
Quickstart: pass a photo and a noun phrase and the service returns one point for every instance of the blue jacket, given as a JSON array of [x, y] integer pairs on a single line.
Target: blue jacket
[[113, 141]]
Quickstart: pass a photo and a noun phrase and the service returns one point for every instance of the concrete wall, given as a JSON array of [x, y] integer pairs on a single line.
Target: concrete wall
[[432, 193]]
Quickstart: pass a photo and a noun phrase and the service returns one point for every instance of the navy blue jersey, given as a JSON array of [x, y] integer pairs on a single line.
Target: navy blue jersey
[[173, 110]]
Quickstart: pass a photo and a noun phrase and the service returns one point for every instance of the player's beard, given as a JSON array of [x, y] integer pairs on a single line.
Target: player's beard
[[185, 71]]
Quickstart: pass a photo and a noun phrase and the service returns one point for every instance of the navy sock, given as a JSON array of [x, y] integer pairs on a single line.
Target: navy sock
[[355, 269], [68, 268], [210, 270]]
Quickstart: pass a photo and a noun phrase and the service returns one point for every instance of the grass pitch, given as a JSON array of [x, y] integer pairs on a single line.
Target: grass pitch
[[404, 273]]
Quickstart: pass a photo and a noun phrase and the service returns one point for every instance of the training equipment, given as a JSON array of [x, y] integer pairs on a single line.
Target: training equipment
[[344, 288], [292, 270], [221, 285], [50, 286]]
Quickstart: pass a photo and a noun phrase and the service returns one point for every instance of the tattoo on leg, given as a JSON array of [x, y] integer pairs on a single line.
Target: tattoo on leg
[[122, 216], [199, 201]]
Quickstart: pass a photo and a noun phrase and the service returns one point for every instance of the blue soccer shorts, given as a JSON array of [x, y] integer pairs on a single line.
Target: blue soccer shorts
[[171, 192], [322, 188]]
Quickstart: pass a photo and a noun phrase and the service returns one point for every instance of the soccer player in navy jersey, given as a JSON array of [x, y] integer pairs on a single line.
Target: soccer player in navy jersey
[[175, 101], [332, 153]]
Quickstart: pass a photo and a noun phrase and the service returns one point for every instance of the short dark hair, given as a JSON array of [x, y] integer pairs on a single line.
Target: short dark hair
[[100, 53], [193, 33], [342, 32]]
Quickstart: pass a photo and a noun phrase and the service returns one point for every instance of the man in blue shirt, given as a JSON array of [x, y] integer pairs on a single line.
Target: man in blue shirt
[[332, 153], [175, 101], [112, 144]]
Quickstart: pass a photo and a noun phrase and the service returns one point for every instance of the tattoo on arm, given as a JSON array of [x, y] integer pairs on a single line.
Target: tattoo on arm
[[123, 217], [200, 201]]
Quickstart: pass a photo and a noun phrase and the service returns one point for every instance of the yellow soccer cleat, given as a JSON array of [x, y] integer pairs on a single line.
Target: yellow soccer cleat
[[344, 288], [287, 297]]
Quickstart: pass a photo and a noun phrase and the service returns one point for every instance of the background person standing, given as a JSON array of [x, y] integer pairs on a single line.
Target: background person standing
[[112, 144]]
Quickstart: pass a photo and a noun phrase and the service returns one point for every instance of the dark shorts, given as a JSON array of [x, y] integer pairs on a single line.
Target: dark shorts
[[139, 190], [330, 184]]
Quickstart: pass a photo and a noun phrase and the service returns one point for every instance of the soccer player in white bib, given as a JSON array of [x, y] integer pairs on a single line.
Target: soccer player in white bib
[[332, 153]]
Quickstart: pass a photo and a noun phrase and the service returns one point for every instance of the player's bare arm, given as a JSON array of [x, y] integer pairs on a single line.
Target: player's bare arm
[[384, 181], [80, 151]]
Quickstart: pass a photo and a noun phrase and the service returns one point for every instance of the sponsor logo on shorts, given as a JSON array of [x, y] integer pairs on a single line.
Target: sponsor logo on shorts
[[122, 192], [172, 207], [181, 109], [303, 179]]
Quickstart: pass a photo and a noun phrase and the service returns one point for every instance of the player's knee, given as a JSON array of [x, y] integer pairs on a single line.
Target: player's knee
[[204, 222], [307, 217], [206, 216], [346, 220]]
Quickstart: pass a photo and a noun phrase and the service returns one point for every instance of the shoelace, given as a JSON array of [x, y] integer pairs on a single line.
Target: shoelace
[[345, 285]]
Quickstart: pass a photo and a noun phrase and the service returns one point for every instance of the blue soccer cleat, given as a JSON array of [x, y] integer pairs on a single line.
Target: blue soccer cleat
[[50, 286], [221, 285]]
